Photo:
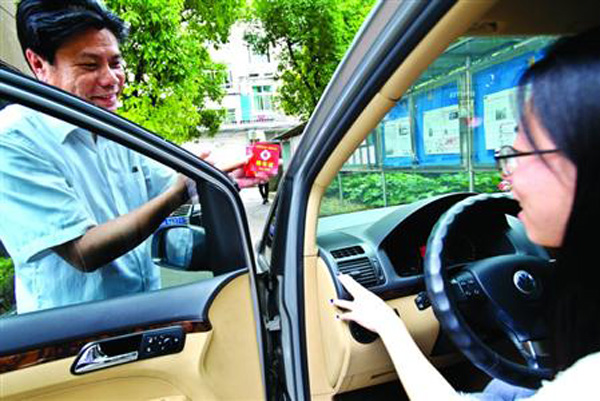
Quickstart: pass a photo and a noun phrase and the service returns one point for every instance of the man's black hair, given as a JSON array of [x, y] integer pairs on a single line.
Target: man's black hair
[[45, 25]]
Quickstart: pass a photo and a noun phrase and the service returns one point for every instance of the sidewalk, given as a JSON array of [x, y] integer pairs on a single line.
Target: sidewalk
[[256, 212]]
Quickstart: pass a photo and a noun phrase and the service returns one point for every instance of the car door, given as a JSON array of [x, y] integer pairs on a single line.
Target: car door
[[195, 337]]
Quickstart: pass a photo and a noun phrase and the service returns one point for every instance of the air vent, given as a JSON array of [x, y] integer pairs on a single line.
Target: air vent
[[345, 252], [361, 269]]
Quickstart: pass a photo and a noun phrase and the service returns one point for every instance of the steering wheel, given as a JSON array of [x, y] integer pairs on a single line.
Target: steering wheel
[[513, 291]]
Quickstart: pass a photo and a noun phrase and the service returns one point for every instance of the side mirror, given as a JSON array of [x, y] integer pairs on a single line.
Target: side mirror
[[180, 247]]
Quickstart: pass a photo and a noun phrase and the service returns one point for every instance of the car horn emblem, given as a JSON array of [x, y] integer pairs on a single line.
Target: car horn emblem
[[525, 282]]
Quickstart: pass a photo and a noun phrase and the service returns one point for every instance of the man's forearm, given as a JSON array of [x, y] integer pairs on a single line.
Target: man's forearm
[[108, 241]]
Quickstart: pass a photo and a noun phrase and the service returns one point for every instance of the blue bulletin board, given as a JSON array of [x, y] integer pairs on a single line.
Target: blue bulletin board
[[427, 104], [393, 155], [429, 134], [492, 87], [442, 99]]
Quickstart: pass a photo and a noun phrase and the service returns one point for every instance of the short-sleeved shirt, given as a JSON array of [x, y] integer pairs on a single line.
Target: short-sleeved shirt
[[56, 182], [578, 382]]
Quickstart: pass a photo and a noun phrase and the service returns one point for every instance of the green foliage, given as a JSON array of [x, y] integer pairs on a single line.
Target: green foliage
[[7, 286], [213, 18], [487, 182], [331, 206], [170, 75], [365, 190], [313, 36]]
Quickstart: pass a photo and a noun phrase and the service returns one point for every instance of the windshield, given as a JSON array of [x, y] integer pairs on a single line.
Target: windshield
[[440, 137]]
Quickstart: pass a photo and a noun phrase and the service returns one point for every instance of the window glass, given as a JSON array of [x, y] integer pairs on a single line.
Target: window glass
[[86, 219], [231, 117], [263, 97], [441, 135], [255, 57], [7, 284]]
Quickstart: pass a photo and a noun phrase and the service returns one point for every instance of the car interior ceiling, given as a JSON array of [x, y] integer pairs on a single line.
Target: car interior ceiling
[[482, 18]]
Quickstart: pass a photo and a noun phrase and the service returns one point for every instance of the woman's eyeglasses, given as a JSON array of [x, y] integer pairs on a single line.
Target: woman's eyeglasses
[[506, 158]]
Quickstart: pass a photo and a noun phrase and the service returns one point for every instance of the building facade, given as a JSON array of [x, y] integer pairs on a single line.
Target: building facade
[[250, 88], [10, 50]]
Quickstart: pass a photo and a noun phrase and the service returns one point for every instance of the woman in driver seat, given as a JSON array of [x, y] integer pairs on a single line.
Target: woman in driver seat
[[553, 169]]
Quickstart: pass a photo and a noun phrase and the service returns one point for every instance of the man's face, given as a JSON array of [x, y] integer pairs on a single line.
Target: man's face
[[88, 66]]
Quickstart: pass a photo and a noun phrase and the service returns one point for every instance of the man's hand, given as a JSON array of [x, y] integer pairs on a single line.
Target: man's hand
[[235, 169], [184, 189]]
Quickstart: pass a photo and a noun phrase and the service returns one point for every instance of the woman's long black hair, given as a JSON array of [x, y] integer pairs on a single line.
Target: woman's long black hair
[[563, 91]]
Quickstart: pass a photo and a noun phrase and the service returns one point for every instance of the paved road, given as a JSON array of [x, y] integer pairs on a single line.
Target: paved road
[[256, 212]]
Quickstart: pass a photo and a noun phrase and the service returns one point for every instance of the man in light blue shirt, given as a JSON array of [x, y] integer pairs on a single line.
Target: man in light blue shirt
[[77, 209], [58, 183]]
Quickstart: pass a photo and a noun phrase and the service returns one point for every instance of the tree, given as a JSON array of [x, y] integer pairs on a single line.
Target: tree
[[313, 36], [170, 76]]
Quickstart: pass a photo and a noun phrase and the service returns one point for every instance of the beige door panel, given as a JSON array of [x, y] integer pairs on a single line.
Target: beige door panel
[[221, 364], [231, 364]]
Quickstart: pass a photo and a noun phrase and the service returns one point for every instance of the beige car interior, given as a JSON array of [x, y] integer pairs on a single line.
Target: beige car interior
[[222, 364], [337, 363]]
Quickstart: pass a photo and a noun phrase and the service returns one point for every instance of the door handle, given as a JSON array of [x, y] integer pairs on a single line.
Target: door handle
[[128, 348], [93, 358]]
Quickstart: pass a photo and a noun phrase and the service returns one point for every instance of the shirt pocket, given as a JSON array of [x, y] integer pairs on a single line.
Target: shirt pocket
[[133, 187]]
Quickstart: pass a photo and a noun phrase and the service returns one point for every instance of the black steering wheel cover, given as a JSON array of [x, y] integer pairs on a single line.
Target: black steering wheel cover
[[445, 307]]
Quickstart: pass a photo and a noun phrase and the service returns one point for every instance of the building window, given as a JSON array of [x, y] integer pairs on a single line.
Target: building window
[[263, 97], [257, 58], [230, 118], [228, 80]]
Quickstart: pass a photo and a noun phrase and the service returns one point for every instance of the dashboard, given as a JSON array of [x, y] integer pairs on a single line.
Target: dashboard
[[384, 249]]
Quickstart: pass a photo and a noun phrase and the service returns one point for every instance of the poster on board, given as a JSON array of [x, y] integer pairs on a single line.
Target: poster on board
[[397, 138], [499, 119], [441, 130]]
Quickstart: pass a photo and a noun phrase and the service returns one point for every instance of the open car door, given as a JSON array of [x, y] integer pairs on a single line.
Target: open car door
[[191, 336]]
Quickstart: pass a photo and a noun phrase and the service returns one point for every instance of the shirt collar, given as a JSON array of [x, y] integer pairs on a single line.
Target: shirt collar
[[60, 128]]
